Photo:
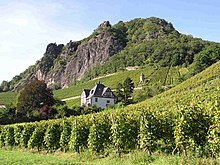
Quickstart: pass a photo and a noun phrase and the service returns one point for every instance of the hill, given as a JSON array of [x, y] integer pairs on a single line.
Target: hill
[[112, 48], [157, 76], [183, 121]]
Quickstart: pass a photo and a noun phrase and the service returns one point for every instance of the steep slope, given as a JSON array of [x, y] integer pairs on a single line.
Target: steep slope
[[62, 65], [162, 76], [181, 122], [201, 88], [110, 49]]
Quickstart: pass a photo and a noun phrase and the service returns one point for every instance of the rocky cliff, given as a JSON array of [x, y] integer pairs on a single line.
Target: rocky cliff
[[110, 49], [63, 64]]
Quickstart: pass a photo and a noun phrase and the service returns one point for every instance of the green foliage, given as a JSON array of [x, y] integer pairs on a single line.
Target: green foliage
[[26, 134], [144, 93], [147, 136], [52, 136], [37, 138], [7, 98], [4, 86], [9, 137], [33, 97], [155, 41], [99, 135], [17, 134], [214, 130], [7, 112], [206, 58], [193, 123], [79, 136], [124, 133], [184, 119], [2, 136], [65, 135], [124, 91]]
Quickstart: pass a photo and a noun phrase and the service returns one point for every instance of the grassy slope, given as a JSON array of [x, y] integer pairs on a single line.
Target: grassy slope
[[150, 72], [180, 92], [7, 98], [203, 87], [155, 75]]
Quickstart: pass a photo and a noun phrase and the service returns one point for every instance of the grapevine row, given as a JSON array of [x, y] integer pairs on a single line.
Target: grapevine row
[[193, 127]]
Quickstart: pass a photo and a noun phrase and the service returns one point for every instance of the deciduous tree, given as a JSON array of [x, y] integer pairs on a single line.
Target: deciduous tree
[[33, 97]]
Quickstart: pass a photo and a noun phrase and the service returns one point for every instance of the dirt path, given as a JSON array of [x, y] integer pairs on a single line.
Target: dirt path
[[103, 76], [2, 106], [70, 98]]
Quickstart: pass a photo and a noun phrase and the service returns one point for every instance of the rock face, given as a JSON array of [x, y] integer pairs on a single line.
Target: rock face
[[62, 65], [97, 50]]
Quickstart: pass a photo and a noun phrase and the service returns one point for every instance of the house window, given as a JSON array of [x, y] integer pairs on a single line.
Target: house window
[[108, 101], [96, 99]]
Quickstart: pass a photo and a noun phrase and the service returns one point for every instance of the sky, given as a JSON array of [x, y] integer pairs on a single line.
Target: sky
[[28, 26]]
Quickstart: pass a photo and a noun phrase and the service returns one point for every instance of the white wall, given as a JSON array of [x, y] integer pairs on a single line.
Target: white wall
[[102, 102], [83, 99]]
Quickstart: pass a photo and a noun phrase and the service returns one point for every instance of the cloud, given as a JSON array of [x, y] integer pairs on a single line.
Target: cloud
[[27, 28], [18, 21]]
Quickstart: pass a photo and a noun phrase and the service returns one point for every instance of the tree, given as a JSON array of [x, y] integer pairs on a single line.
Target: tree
[[128, 87], [119, 92], [4, 86], [124, 91], [33, 97], [205, 58]]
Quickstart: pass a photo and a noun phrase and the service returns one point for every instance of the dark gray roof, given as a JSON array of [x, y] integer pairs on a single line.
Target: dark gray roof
[[87, 91], [98, 90]]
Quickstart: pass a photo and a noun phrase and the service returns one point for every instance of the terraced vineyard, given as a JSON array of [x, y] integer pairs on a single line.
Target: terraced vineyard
[[182, 119], [155, 75], [163, 76]]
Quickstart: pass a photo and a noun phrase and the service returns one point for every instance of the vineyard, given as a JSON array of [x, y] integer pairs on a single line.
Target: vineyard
[[178, 121], [152, 73]]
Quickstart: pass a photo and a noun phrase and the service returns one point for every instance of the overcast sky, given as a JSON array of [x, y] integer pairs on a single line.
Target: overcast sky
[[28, 26]]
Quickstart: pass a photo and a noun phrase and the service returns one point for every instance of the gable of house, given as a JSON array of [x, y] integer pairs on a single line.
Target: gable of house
[[99, 95]]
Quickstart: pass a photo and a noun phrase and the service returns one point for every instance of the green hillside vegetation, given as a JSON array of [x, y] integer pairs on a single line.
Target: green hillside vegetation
[[183, 120], [144, 41], [73, 102], [160, 76], [153, 40], [157, 76], [7, 98]]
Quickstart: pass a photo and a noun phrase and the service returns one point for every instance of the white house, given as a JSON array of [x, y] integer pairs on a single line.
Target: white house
[[99, 95]]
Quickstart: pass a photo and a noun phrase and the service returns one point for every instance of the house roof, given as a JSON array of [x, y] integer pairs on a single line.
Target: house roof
[[87, 91], [99, 90], [105, 89]]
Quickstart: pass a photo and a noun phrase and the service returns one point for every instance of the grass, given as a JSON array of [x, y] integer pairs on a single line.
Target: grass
[[27, 158], [74, 102], [151, 73], [7, 98], [162, 76], [17, 157], [202, 87]]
